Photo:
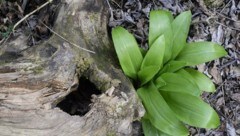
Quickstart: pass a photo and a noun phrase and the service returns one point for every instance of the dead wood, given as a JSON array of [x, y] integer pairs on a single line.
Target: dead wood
[[34, 80]]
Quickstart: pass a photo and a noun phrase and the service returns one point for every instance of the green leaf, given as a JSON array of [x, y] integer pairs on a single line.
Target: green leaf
[[154, 56], [159, 82], [178, 83], [159, 114], [160, 24], [169, 14], [127, 50], [146, 74], [192, 110], [184, 74], [199, 52], [152, 61], [203, 82], [150, 130], [180, 27], [172, 66]]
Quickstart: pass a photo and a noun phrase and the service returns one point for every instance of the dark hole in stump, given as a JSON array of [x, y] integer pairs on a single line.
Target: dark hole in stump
[[137, 128], [78, 102]]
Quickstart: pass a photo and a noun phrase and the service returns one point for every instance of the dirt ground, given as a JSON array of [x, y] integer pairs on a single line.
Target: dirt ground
[[212, 20]]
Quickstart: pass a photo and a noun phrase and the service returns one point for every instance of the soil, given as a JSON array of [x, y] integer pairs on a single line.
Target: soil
[[217, 21]]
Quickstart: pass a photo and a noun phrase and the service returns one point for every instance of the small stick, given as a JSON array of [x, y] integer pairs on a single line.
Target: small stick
[[228, 63], [228, 26], [67, 40], [111, 11], [25, 17], [227, 17]]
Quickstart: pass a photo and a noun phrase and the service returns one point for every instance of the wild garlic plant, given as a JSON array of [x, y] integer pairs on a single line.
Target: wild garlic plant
[[169, 88]]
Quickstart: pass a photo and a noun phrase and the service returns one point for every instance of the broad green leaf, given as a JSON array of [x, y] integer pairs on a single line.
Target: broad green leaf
[[180, 27], [183, 73], [172, 66], [169, 14], [128, 51], [146, 74], [159, 82], [154, 56], [177, 83], [160, 24], [200, 52], [152, 61], [192, 110], [150, 130], [159, 114], [203, 82]]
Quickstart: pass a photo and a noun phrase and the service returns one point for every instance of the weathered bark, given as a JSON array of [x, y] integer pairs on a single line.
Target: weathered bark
[[34, 80]]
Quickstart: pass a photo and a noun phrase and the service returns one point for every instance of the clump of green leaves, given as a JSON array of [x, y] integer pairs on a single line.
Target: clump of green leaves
[[170, 91]]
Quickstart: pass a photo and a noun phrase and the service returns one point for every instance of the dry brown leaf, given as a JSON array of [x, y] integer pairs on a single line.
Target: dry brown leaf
[[217, 78], [236, 97]]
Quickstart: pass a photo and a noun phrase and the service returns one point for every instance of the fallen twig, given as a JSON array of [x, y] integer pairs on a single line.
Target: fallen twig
[[25, 17], [66, 39], [228, 26]]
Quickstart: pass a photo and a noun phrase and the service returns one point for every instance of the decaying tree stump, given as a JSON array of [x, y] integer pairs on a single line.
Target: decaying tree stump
[[34, 80]]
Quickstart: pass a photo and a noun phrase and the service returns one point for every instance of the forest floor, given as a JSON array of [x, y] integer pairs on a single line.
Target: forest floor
[[217, 21]]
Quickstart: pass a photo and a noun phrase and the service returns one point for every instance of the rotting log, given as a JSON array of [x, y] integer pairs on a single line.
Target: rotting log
[[34, 80]]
